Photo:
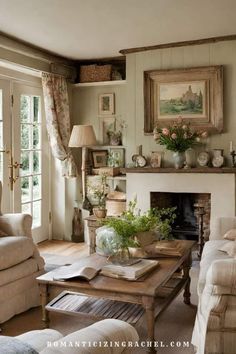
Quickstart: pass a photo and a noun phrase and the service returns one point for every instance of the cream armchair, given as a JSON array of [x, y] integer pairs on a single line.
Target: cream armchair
[[215, 325], [20, 265]]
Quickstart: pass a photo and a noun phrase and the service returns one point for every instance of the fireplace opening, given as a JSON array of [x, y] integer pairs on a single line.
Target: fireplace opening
[[186, 222]]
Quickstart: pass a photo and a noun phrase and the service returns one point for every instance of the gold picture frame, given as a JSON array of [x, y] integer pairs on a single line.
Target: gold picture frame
[[195, 94]]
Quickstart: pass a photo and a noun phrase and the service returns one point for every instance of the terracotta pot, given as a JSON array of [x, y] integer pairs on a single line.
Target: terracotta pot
[[100, 213]]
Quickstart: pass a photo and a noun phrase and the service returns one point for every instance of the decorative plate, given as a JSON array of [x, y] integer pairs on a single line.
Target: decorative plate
[[203, 158]]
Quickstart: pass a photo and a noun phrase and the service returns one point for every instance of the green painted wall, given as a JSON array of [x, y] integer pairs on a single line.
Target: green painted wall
[[129, 97]]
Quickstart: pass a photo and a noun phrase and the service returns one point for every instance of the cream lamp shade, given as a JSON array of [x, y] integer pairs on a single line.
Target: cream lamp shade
[[82, 136]]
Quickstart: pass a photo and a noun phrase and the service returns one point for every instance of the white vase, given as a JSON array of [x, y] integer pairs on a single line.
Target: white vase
[[179, 159]]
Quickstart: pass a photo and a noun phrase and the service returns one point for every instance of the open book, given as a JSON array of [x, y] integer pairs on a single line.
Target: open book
[[70, 272], [130, 272]]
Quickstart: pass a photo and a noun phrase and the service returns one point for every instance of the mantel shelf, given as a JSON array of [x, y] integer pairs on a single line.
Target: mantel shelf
[[183, 170]]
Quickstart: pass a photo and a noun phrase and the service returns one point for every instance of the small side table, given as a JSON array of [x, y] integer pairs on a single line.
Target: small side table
[[93, 225]]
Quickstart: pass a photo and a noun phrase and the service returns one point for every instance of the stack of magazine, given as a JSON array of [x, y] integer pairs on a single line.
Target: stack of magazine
[[130, 272]]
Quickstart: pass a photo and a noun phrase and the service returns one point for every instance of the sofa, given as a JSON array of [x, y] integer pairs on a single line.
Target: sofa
[[215, 325], [50, 341], [20, 265]]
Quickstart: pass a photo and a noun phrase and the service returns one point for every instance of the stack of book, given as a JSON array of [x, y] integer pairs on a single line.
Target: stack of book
[[131, 272], [164, 248]]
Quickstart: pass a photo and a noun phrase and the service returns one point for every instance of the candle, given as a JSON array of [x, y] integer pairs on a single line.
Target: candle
[[230, 146]]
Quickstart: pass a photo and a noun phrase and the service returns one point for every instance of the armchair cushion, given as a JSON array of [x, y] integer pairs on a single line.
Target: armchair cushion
[[16, 224], [14, 250]]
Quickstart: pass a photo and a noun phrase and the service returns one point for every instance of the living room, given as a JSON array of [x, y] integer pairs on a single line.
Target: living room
[[124, 108]]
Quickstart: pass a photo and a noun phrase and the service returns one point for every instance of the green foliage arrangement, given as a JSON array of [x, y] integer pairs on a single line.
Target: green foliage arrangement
[[178, 137], [132, 222]]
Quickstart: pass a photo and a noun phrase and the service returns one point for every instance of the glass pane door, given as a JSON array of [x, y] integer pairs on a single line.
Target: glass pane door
[[31, 192], [31, 152]]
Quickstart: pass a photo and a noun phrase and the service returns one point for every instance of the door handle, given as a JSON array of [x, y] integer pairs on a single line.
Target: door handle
[[12, 177]]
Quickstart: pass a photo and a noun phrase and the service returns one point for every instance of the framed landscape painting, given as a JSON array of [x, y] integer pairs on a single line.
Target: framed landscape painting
[[195, 94], [182, 98]]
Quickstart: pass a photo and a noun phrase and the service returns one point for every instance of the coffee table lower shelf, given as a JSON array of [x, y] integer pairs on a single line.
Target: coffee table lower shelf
[[77, 304]]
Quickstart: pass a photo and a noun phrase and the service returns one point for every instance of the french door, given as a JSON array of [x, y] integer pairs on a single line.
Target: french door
[[27, 154]]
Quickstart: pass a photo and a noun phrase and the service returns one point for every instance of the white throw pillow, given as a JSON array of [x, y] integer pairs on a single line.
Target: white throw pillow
[[230, 235], [229, 248]]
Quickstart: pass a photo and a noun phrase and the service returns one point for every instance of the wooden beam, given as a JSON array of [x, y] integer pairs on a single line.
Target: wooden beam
[[179, 44]]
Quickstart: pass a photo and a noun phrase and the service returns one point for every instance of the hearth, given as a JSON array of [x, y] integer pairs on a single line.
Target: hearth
[[186, 223]]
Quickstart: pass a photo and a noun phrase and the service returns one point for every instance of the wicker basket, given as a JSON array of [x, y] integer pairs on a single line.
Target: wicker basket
[[115, 207], [93, 73]]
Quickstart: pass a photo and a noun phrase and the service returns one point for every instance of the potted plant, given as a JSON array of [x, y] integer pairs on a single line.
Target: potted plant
[[132, 229], [99, 191], [178, 138]]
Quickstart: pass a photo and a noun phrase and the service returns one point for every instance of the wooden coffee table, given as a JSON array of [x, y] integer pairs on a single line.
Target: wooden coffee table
[[154, 293]]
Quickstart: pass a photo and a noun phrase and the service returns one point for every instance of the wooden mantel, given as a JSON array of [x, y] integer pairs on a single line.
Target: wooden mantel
[[183, 170]]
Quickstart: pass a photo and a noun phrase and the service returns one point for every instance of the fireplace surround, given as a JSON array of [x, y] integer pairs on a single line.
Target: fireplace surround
[[218, 183]]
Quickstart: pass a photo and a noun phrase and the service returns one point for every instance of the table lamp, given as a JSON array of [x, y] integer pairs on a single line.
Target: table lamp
[[83, 136]]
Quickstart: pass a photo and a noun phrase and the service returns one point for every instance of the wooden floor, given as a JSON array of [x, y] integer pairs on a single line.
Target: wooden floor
[[64, 248]]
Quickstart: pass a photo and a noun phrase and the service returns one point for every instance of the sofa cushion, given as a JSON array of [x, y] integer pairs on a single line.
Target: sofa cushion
[[230, 235], [210, 253], [14, 250]]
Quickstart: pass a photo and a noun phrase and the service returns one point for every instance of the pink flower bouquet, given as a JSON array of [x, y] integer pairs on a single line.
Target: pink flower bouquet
[[178, 137]]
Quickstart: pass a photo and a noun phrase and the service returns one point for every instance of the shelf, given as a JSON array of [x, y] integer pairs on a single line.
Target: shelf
[[182, 170], [107, 147], [118, 178], [100, 83]]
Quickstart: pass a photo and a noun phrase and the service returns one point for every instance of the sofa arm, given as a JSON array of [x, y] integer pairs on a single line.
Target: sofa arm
[[102, 332], [16, 224], [222, 275]]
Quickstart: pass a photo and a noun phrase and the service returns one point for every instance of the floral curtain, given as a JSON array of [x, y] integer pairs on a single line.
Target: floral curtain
[[58, 120]]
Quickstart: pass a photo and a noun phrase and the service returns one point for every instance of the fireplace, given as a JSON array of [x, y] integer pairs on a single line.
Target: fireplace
[[218, 184], [186, 223]]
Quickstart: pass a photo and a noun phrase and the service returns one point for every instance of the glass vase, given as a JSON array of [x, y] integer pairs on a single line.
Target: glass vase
[[120, 257]]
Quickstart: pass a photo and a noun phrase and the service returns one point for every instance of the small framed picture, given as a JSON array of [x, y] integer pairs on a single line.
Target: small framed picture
[[99, 158], [106, 104], [106, 124], [116, 157], [155, 160]]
